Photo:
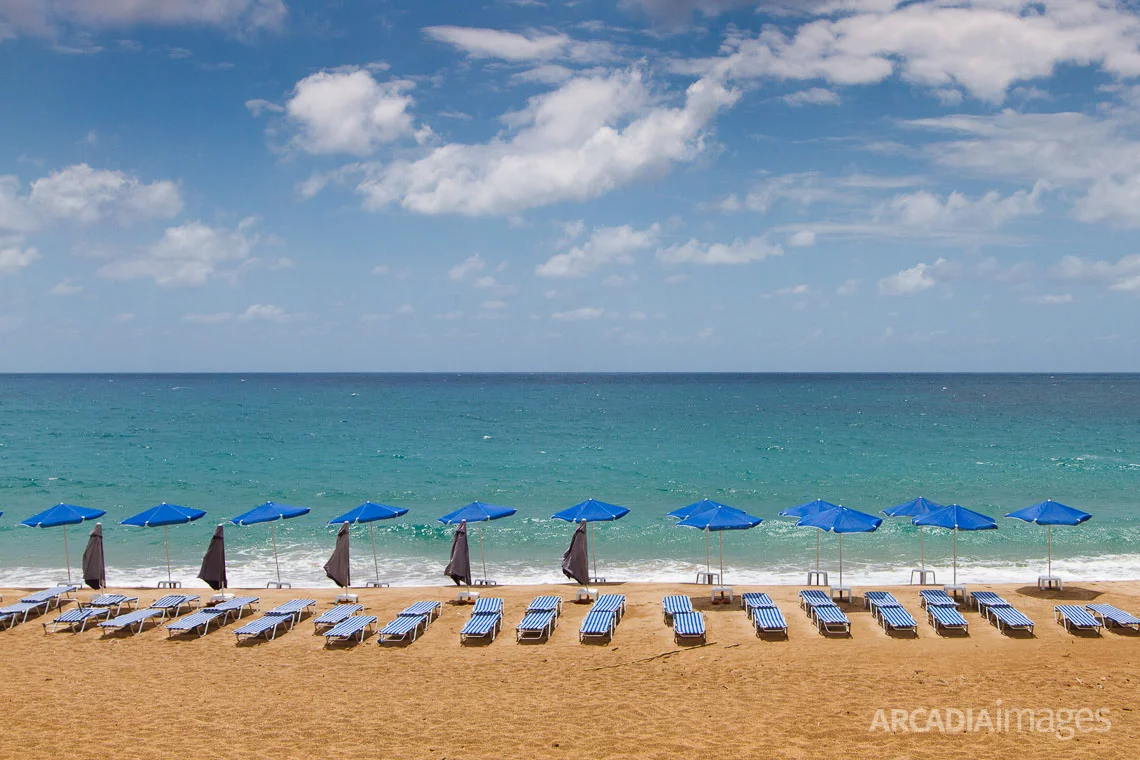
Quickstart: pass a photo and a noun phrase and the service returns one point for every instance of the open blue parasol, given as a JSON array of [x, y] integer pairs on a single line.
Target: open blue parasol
[[270, 512], [841, 520], [810, 508], [915, 508], [163, 516], [956, 518], [1050, 513], [592, 511], [719, 518], [63, 515], [477, 512], [369, 512]]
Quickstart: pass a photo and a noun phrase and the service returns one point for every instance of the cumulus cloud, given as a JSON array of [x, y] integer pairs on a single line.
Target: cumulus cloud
[[473, 264], [737, 252], [14, 257], [66, 288], [606, 245], [1052, 299], [265, 313], [802, 239], [579, 315], [910, 281], [188, 255], [1123, 274], [816, 96], [348, 111], [925, 211], [589, 136], [519, 47], [677, 13], [47, 18]]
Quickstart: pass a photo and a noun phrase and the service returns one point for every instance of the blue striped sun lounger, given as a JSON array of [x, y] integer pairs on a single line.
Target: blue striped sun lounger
[[983, 600], [53, 596], [598, 624], [335, 616], [76, 619], [830, 619], [294, 608], [1075, 617], [238, 606], [935, 597], [688, 626], [1110, 616], [404, 628], [769, 619], [674, 605], [537, 626], [813, 597], [267, 626], [198, 622], [19, 612], [546, 604], [172, 604], [118, 601], [354, 627], [1008, 618], [894, 617], [945, 618], [485, 622], [134, 618], [754, 599], [873, 599], [428, 610], [615, 603]]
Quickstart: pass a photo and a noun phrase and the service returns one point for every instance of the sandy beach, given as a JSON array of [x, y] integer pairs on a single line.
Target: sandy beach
[[144, 696]]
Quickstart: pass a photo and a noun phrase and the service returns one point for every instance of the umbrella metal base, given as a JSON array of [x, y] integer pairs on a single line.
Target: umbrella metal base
[[170, 584], [278, 584]]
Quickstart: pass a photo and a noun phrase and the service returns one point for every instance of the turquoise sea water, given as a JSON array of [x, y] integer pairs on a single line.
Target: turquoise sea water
[[539, 443]]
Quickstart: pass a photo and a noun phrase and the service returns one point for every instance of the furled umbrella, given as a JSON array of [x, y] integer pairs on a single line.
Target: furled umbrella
[[369, 512], [270, 512], [915, 508], [478, 512], [338, 568], [810, 508], [1050, 513], [841, 520], [63, 515], [576, 560], [94, 568], [591, 511], [719, 519], [956, 518], [163, 516], [459, 561], [213, 570]]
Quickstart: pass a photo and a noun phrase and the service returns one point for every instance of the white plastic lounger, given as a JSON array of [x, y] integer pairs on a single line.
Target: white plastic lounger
[[536, 626], [546, 604], [267, 625], [688, 625], [769, 620], [614, 603], [830, 619], [754, 599], [197, 621], [136, 618], [598, 624], [403, 628], [945, 618], [238, 606], [935, 597], [294, 608], [118, 601], [1073, 616], [485, 622], [1110, 616], [76, 619], [674, 605], [1008, 618], [355, 627], [333, 617], [19, 612], [53, 596], [894, 617], [172, 604]]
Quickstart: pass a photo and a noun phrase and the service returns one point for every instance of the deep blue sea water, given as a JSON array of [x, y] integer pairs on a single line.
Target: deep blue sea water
[[539, 443]]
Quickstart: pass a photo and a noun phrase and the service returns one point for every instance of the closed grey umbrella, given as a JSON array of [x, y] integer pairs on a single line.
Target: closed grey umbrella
[[338, 568], [214, 563], [576, 560], [459, 566], [94, 569]]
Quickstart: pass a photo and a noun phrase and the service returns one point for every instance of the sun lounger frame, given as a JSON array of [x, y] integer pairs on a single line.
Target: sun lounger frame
[[689, 625], [334, 616], [355, 626], [828, 618], [537, 625], [1074, 617], [1110, 616], [598, 624], [136, 618], [1008, 616], [673, 605], [943, 617], [76, 617]]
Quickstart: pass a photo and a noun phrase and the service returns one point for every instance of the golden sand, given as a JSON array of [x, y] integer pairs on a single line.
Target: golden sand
[[143, 696]]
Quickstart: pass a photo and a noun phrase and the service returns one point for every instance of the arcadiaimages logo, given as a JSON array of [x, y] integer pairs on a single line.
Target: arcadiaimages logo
[[1064, 723]]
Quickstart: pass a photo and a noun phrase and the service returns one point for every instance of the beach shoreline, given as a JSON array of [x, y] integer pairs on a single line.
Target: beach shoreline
[[640, 695]]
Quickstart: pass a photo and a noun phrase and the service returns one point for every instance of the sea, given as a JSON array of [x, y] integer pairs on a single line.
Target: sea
[[539, 443]]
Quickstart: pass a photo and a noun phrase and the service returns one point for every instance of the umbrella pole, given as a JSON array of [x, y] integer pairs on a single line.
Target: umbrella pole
[[708, 563], [593, 547], [1049, 532], [166, 539], [482, 558], [922, 548], [375, 562], [841, 559], [66, 555], [273, 533], [955, 556], [817, 552], [720, 535]]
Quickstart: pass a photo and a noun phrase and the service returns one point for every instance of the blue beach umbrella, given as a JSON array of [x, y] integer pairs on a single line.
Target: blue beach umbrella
[[1050, 513], [164, 515], [369, 512], [477, 512], [956, 518], [915, 508], [719, 518], [810, 508], [704, 505], [592, 511], [63, 515], [270, 512], [841, 520]]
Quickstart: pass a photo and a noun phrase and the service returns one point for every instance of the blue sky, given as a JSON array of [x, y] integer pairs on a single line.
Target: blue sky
[[623, 185]]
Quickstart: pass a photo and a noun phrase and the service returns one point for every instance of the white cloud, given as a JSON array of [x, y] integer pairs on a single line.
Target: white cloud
[[188, 255], [1113, 199], [1123, 274], [464, 269], [909, 281], [380, 269], [737, 252], [45, 18], [348, 111], [849, 287], [815, 96], [213, 318], [515, 47], [1053, 299], [579, 315], [591, 135], [122, 319], [925, 211], [802, 239], [258, 106], [606, 245], [493, 305], [265, 313], [676, 13], [794, 290], [66, 288], [82, 194], [14, 257]]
